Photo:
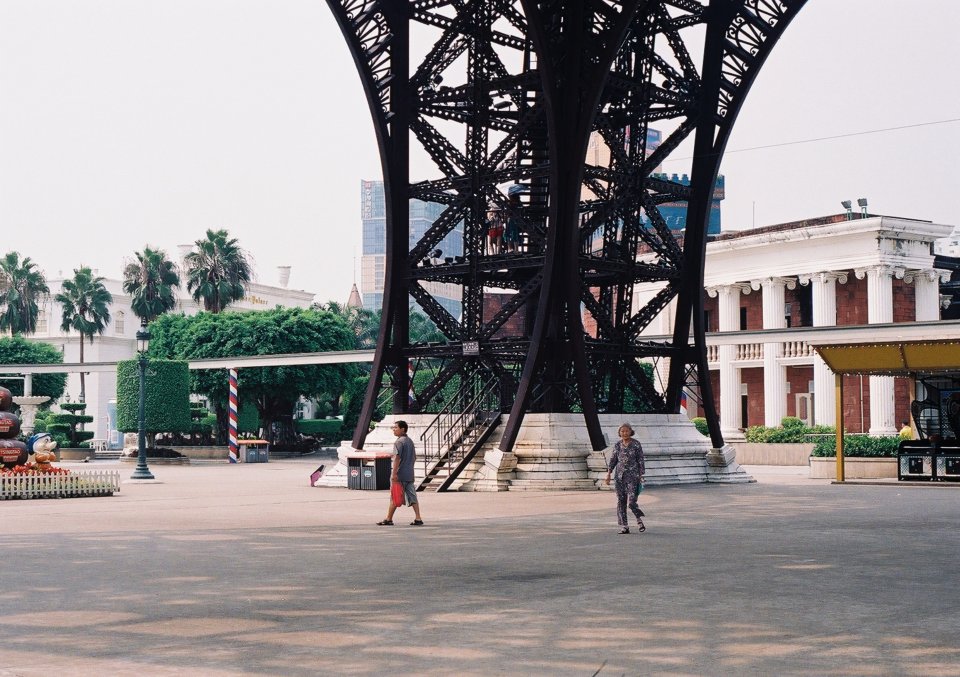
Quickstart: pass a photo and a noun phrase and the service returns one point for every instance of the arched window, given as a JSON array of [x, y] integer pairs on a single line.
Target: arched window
[[42, 322], [118, 323]]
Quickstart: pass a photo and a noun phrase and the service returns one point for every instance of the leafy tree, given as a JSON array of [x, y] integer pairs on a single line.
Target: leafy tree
[[151, 282], [423, 330], [22, 288], [273, 390], [18, 350], [363, 323], [85, 301], [218, 271]]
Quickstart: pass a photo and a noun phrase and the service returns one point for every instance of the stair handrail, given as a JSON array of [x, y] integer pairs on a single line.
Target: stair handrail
[[455, 418]]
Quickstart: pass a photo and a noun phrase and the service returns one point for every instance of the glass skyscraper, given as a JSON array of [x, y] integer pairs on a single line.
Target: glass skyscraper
[[373, 215]]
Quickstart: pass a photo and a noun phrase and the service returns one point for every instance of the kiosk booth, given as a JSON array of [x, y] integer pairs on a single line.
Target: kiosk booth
[[933, 364]]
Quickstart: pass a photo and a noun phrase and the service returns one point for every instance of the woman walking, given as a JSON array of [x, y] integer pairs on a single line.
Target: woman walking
[[627, 467]]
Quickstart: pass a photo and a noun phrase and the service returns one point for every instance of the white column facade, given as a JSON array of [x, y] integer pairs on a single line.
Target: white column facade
[[879, 311], [926, 287], [824, 291], [774, 374], [728, 319]]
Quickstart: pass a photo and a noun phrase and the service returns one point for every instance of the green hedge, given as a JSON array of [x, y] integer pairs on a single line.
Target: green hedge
[[248, 418], [167, 394], [860, 446], [790, 433], [319, 426], [700, 423]]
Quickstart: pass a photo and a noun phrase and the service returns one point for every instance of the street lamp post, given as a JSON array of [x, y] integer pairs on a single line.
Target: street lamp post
[[142, 472]]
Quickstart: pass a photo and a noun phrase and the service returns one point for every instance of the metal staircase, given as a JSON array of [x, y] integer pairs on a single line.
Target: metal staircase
[[458, 432]]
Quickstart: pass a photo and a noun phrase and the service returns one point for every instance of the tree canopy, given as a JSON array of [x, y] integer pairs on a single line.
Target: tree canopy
[[273, 390], [151, 281], [18, 350], [217, 271], [86, 308], [22, 288]]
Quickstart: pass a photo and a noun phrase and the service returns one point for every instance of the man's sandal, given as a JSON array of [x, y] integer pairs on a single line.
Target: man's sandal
[[640, 527], [416, 523], [385, 523]]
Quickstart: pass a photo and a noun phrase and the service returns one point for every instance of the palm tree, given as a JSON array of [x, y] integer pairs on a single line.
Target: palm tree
[[217, 271], [85, 302], [365, 324], [22, 288], [151, 282]]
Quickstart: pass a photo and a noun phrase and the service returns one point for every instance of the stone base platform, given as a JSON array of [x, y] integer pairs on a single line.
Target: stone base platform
[[553, 452]]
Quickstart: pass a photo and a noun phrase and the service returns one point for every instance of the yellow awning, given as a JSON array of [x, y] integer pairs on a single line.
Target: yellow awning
[[906, 358]]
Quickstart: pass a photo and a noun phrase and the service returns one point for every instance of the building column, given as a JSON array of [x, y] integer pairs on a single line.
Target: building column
[[926, 287], [774, 374], [880, 311], [823, 286], [729, 320]]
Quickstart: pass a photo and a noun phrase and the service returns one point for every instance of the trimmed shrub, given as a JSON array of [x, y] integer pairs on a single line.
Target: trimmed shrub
[[859, 446], [791, 422], [700, 423], [63, 427], [757, 433], [318, 426], [167, 403]]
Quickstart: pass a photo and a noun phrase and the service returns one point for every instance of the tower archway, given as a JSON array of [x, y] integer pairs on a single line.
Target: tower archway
[[506, 101]]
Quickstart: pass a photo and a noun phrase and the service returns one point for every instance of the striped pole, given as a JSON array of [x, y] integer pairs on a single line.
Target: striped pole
[[234, 447]]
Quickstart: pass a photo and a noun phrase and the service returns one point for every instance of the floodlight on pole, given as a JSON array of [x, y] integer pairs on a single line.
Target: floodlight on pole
[[862, 203], [848, 205]]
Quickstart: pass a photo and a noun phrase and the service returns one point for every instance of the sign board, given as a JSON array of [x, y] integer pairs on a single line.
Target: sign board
[[471, 347]]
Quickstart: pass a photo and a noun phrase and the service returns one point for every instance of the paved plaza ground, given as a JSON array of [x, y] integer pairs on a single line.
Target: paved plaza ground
[[247, 570]]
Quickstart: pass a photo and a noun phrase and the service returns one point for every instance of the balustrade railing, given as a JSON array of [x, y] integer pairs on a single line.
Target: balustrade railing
[[750, 351], [796, 349]]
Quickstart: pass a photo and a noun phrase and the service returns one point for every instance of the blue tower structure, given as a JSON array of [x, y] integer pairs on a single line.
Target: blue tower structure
[[675, 213]]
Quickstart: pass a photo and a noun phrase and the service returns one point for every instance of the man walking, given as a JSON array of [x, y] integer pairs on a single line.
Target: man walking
[[404, 456]]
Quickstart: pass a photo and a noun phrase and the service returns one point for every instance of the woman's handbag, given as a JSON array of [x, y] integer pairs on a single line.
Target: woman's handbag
[[396, 493]]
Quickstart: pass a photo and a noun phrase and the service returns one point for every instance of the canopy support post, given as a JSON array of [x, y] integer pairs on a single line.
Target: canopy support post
[[840, 426]]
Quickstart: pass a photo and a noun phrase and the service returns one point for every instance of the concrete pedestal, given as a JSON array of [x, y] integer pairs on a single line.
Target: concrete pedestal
[[29, 405], [553, 453]]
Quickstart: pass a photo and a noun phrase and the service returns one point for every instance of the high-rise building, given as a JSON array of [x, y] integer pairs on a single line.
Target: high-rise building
[[373, 214], [674, 213]]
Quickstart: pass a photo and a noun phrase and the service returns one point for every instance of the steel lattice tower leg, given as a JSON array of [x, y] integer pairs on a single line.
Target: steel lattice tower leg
[[514, 93]]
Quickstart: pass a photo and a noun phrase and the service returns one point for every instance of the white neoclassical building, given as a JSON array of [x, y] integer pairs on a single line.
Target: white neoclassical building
[[118, 341], [772, 290]]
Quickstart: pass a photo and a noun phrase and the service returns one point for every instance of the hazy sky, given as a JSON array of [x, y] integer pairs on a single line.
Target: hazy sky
[[133, 122]]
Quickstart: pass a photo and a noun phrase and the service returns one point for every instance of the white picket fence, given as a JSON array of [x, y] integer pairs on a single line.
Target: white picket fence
[[77, 483]]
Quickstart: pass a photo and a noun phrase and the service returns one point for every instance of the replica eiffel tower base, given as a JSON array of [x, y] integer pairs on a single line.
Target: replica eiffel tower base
[[553, 453]]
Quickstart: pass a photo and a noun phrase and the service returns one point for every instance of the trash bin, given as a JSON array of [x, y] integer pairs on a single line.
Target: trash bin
[[354, 469], [916, 461], [948, 464], [369, 471], [255, 452]]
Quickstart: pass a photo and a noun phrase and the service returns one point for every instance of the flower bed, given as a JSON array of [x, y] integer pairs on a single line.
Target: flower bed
[[30, 482]]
